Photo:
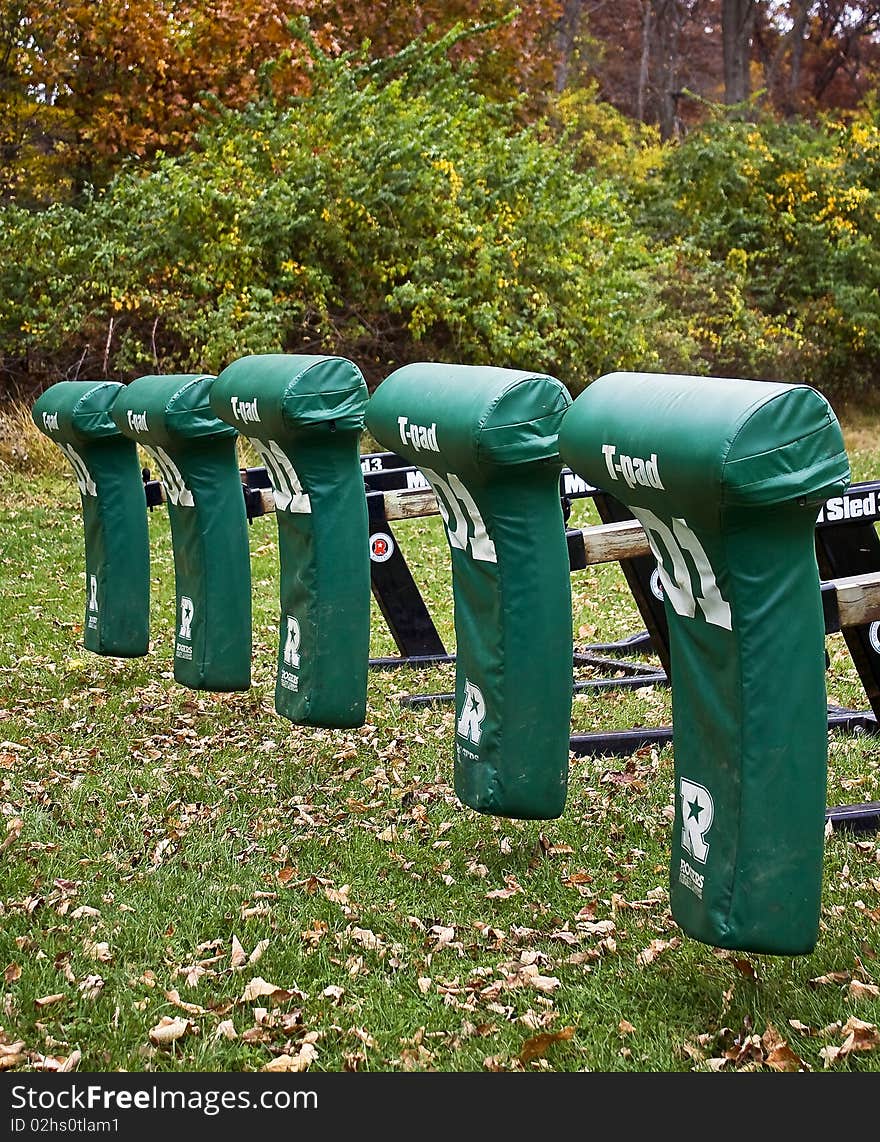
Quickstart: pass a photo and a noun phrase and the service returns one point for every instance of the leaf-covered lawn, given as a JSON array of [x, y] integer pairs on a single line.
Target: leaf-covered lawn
[[189, 882]]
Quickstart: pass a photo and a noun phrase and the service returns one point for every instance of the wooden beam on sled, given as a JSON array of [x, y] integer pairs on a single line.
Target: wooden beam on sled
[[408, 504]]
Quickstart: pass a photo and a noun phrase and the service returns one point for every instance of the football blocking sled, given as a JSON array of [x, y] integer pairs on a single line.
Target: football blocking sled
[[304, 415], [170, 417], [727, 478], [76, 415], [486, 441]]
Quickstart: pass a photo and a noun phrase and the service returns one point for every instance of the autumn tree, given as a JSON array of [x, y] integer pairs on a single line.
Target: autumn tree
[[660, 60], [84, 83], [649, 55], [517, 55], [818, 54]]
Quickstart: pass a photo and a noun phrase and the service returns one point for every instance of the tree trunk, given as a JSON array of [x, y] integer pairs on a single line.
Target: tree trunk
[[668, 19], [797, 55], [644, 63], [776, 50], [737, 22], [566, 35]]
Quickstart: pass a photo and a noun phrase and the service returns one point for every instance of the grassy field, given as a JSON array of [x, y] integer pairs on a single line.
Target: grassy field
[[191, 883]]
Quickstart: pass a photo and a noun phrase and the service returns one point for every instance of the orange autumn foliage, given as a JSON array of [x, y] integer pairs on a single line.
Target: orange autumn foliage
[[84, 83]]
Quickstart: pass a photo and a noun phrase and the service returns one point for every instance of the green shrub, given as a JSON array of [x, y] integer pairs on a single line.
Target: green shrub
[[395, 214], [777, 228]]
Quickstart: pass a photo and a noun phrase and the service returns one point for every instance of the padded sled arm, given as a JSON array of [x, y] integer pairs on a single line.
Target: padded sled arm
[[76, 415], [486, 440], [304, 416], [727, 477], [196, 455]]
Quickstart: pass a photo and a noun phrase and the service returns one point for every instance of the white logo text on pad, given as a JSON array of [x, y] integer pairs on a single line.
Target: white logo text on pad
[[246, 410], [418, 435], [634, 469]]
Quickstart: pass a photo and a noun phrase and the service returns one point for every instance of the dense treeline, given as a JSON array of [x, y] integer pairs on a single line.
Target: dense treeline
[[85, 83], [484, 197]]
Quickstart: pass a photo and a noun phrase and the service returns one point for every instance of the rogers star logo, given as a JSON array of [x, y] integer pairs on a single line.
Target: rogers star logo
[[381, 547]]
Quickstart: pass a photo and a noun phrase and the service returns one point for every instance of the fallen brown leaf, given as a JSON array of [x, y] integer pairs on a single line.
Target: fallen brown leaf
[[859, 1036], [71, 1062], [783, 1058], [831, 977], [443, 935], [746, 968], [778, 1054], [829, 1055], [168, 1030], [48, 1000], [173, 996], [859, 990], [193, 973], [599, 928], [257, 953], [100, 952], [529, 976], [364, 1035], [746, 1052], [503, 893], [259, 988], [13, 831], [298, 1062], [365, 938], [92, 986], [538, 1045], [416, 1058], [656, 948], [61, 1064]]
